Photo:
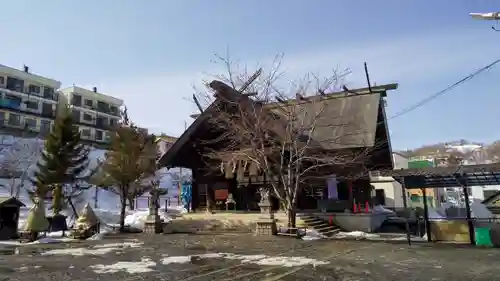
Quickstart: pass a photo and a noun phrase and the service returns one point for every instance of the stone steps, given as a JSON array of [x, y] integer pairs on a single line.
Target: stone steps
[[319, 225]]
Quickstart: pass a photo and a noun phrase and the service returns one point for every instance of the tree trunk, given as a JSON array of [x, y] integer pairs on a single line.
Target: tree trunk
[[122, 213], [131, 203], [292, 215]]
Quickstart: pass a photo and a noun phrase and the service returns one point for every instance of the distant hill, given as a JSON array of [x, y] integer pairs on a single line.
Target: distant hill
[[455, 151]]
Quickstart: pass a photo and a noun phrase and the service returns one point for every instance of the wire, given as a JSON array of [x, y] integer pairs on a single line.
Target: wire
[[447, 89]]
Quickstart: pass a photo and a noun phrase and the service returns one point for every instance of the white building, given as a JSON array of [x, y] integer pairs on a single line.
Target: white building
[[391, 189], [94, 112], [28, 102]]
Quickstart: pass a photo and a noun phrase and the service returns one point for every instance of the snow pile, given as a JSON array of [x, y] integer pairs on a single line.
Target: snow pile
[[379, 209], [312, 234], [253, 259], [436, 215], [356, 234], [138, 218], [480, 211], [97, 250], [51, 238], [142, 266]]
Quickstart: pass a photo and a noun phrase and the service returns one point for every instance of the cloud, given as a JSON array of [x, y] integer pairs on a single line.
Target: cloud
[[163, 102]]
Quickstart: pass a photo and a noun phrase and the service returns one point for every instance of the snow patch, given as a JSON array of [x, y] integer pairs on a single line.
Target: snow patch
[[138, 218], [355, 234], [96, 250], [254, 259], [145, 265]]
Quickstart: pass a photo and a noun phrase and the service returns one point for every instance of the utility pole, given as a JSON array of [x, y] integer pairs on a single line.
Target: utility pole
[[180, 174]]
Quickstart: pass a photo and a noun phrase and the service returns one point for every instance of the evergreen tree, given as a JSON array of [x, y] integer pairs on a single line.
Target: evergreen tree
[[63, 161], [131, 158]]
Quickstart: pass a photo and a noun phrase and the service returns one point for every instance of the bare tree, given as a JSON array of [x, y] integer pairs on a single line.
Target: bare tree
[[131, 158], [291, 138], [18, 159]]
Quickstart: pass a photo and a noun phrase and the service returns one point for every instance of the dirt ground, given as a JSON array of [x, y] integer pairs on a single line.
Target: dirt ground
[[337, 260]]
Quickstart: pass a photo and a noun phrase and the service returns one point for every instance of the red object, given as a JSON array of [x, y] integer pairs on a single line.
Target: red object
[[354, 208], [367, 207], [330, 220], [359, 208]]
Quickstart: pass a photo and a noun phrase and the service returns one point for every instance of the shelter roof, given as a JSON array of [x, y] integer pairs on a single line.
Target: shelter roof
[[4, 201], [450, 176]]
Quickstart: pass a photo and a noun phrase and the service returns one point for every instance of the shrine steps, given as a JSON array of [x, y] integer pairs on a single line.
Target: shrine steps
[[318, 225]]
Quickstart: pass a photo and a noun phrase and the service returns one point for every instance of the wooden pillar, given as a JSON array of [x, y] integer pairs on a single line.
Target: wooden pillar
[[426, 216], [405, 205], [194, 190], [472, 234], [351, 194]]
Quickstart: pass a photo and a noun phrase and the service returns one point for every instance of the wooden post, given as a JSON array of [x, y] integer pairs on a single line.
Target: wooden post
[[405, 205], [472, 234], [351, 195], [426, 216]]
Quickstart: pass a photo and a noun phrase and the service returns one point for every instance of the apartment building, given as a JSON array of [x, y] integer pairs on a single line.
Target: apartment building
[[94, 113], [28, 102]]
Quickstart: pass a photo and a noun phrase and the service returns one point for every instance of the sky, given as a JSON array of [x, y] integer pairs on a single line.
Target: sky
[[153, 54]]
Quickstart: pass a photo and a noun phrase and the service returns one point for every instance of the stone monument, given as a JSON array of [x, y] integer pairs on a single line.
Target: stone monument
[[266, 225], [154, 224]]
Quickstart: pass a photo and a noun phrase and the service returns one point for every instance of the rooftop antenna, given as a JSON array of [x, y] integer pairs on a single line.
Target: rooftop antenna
[[251, 80], [368, 78], [197, 103]]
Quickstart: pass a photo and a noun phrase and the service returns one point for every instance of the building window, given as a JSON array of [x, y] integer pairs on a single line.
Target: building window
[[14, 120], [114, 110], [30, 124], [75, 114], [14, 84], [112, 122], [13, 101], [103, 107], [31, 104], [107, 136], [48, 110], [85, 133], [48, 93], [98, 135], [45, 126], [2, 118], [87, 117], [101, 122], [380, 197], [89, 102], [76, 100], [2, 80], [34, 89]]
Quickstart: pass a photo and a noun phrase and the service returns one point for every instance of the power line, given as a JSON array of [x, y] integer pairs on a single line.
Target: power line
[[447, 89]]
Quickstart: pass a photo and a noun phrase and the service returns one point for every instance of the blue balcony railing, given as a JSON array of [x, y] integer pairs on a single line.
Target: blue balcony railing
[[6, 103]]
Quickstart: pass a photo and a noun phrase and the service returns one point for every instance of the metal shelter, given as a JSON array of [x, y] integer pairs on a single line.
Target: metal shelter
[[445, 177]]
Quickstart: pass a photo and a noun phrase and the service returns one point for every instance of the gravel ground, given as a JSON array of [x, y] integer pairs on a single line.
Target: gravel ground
[[335, 260]]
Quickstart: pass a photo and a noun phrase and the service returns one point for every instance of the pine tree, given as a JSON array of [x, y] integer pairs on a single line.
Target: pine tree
[[63, 161], [131, 157]]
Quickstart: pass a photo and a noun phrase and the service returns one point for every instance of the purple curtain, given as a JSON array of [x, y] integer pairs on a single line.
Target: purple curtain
[[332, 188]]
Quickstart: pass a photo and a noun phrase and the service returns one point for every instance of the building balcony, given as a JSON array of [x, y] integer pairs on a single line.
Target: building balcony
[[21, 128], [47, 95], [100, 107], [13, 106], [92, 124]]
